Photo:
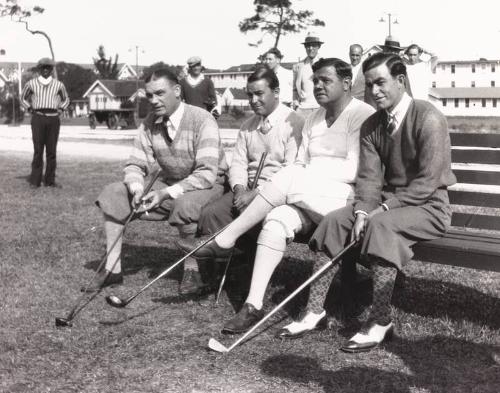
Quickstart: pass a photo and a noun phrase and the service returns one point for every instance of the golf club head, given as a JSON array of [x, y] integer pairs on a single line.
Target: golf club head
[[63, 322], [115, 301], [216, 346]]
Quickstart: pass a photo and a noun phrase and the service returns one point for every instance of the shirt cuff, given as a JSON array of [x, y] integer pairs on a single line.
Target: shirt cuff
[[392, 203], [175, 191], [135, 187], [384, 206], [356, 212]]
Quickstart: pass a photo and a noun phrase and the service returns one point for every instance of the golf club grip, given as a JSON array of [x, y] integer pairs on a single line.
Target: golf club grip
[[154, 177], [259, 170], [292, 295]]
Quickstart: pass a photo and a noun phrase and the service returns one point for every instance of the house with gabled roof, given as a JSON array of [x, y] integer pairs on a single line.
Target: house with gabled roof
[[105, 94]]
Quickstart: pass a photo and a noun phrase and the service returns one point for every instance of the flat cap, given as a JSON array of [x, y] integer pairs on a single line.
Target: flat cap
[[45, 61], [194, 60]]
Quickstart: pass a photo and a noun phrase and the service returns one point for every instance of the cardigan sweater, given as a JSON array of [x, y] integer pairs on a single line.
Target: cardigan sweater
[[194, 159], [407, 167]]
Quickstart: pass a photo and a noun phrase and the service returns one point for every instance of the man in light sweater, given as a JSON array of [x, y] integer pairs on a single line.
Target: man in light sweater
[[303, 88], [273, 59], [184, 141], [401, 196], [274, 128]]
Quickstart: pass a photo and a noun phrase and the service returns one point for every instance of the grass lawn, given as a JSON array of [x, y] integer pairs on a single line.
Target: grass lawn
[[448, 319]]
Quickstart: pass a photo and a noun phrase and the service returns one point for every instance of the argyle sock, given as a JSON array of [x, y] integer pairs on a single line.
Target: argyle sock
[[320, 287], [384, 277]]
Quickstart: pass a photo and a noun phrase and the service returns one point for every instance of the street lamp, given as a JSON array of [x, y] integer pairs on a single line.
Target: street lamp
[[136, 47], [389, 21]]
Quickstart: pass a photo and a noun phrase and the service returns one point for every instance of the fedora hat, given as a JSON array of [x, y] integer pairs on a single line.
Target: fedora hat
[[392, 43], [312, 39], [45, 61]]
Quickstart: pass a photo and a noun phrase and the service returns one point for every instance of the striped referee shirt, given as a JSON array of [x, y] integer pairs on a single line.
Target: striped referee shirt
[[38, 96]]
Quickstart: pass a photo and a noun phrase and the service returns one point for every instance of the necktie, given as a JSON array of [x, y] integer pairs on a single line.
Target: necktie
[[391, 124], [164, 125], [265, 126]]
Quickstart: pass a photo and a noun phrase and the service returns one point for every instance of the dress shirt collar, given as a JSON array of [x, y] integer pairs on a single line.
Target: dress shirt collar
[[398, 113], [174, 120], [194, 81], [266, 124], [44, 81]]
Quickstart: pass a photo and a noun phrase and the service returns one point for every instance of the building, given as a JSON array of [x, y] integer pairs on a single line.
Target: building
[[466, 87]]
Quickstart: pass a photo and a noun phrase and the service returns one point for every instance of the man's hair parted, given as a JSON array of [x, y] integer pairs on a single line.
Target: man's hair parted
[[276, 52], [343, 69], [394, 63], [264, 72], [163, 72]]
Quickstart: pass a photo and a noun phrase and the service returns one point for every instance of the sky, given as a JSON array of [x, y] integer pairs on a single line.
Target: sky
[[173, 30]]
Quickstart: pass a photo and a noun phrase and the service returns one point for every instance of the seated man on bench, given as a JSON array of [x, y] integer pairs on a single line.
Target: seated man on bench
[[275, 129], [184, 141], [298, 196], [401, 194]]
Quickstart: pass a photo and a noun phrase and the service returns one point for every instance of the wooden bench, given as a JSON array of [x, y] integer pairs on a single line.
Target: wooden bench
[[474, 240]]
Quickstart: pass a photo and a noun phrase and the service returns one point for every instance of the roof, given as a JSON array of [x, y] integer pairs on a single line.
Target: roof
[[220, 90], [239, 94], [478, 61], [116, 88], [465, 92], [241, 68]]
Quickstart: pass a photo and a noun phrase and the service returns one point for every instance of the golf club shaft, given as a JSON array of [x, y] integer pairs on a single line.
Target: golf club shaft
[[168, 270], [252, 187], [294, 293], [75, 309]]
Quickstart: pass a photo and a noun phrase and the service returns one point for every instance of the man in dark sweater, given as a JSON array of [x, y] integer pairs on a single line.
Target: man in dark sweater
[[401, 194], [198, 90]]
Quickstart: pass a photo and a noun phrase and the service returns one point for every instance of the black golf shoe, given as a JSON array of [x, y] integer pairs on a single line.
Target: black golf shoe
[[191, 283], [104, 279], [244, 320], [210, 250]]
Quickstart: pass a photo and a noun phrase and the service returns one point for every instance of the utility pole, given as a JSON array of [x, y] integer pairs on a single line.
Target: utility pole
[[136, 47], [389, 21]]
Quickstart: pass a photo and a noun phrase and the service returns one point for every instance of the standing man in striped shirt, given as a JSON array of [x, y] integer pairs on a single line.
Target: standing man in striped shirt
[[45, 97]]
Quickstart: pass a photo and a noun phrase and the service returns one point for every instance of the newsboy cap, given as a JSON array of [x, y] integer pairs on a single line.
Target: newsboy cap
[[45, 61], [193, 60]]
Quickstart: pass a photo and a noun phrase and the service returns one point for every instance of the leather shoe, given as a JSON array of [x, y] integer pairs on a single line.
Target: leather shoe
[[369, 337], [104, 279], [211, 250], [191, 283], [307, 322], [244, 320]]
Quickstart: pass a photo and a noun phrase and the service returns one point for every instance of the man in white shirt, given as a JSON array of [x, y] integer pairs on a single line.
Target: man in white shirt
[[303, 97], [273, 60], [419, 71], [358, 79]]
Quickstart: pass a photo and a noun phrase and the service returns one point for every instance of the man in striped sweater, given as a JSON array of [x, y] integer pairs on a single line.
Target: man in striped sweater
[[44, 96], [184, 141]]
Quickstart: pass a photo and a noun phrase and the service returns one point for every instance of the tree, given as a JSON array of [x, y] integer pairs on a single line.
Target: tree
[[277, 18], [20, 14], [106, 69], [76, 79]]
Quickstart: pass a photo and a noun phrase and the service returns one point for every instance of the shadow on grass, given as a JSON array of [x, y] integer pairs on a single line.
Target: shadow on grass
[[129, 317], [435, 364]]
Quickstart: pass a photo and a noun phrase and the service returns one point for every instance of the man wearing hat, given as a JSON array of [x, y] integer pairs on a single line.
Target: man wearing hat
[[391, 45], [303, 87], [45, 97], [198, 90]]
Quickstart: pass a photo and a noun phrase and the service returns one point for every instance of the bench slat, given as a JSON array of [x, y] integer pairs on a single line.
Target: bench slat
[[475, 140], [479, 221], [476, 156], [460, 248], [474, 198], [477, 177]]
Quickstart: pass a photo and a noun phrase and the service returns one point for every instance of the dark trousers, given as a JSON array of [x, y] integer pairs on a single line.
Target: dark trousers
[[45, 132]]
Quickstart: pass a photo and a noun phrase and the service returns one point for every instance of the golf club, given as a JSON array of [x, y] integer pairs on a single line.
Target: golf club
[[67, 321], [252, 187], [117, 302], [215, 345]]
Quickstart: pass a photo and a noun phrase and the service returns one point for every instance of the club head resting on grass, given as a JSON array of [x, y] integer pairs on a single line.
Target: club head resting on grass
[[115, 301], [63, 322], [216, 346]]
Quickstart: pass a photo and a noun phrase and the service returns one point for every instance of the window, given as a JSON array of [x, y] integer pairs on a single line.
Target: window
[[105, 99], [433, 84], [456, 102], [493, 68], [473, 66], [466, 102], [452, 83], [483, 66], [483, 102], [453, 68], [473, 84], [443, 67], [444, 101], [494, 102]]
